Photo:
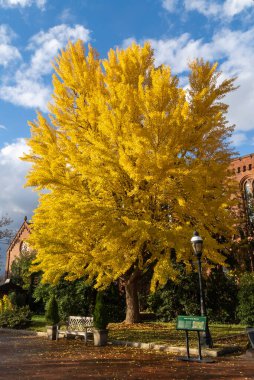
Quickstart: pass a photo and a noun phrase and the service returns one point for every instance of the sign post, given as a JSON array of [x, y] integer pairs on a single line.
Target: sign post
[[192, 323]]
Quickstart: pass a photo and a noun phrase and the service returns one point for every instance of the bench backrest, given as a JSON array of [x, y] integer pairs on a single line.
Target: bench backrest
[[79, 323]]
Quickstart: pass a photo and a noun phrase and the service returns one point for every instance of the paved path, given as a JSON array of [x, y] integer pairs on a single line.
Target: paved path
[[30, 357]]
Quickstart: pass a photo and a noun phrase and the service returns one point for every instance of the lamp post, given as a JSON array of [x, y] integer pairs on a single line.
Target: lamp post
[[197, 244]]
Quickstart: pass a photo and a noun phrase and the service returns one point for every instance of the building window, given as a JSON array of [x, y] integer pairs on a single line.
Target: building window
[[249, 201], [238, 170], [244, 168], [24, 247], [250, 166]]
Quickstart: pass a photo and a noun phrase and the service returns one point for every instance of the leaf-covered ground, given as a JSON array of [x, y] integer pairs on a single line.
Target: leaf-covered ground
[[166, 333], [30, 357]]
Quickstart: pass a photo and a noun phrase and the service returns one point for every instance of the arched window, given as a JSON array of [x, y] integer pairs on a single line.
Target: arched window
[[249, 200], [24, 247]]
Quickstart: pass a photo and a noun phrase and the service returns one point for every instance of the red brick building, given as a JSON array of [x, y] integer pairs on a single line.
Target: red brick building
[[243, 168], [16, 246]]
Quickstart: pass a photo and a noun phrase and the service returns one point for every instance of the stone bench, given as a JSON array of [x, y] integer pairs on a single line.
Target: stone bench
[[76, 326]]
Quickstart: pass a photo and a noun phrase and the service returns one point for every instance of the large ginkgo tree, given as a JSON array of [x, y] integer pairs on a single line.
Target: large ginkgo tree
[[127, 165]]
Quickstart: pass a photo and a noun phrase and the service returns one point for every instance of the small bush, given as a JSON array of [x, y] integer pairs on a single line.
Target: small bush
[[245, 310], [16, 318], [100, 312], [52, 315], [5, 304], [18, 299]]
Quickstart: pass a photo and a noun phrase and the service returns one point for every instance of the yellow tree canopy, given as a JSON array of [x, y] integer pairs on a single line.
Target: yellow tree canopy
[[131, 163]]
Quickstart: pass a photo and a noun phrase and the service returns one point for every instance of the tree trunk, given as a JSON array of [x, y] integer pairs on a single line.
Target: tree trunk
[[252, 262], [132, 304]]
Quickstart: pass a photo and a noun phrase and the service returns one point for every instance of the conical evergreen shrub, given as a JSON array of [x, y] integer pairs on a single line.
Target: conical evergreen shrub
[[100, 314], [52, 315]]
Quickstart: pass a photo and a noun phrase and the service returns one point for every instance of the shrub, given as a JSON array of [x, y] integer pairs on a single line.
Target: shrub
[[5, 304], [245, 309], [18, 299], [100, 312], [52, 315], [73, 297], [17, 317], [220, 292], [175, 299], [221, 297]]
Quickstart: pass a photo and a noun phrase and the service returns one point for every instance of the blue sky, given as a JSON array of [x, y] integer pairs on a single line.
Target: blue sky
[[33, 31]]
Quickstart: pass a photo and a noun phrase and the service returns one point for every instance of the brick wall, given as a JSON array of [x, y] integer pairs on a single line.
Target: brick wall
[[15, 247]]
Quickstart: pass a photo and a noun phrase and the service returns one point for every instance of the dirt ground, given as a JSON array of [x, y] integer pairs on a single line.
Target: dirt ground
[[30, 357]]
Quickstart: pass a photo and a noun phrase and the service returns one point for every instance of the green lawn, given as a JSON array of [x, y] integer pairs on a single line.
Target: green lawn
[[38, 323], [165, 333]]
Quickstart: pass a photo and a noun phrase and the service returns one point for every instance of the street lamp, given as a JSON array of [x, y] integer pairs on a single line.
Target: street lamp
[[197, 244]]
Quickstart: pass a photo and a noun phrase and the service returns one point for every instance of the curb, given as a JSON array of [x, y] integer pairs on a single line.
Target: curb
[[145, 346], [177, 349], [23, 332]]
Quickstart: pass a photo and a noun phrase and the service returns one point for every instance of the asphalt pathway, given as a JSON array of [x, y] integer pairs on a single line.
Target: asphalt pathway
[[30, 357]]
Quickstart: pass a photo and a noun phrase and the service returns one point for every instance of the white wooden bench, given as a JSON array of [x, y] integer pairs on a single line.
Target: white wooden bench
[[76, 326]]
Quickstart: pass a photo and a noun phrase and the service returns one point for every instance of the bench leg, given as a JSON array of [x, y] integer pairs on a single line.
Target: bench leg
[[85, 337]]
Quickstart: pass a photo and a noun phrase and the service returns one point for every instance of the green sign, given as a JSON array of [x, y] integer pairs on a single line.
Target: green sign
[[191, 323]]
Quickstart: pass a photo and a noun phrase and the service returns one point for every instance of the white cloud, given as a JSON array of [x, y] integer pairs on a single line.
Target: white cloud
[[127, 42], [206, 7], [178, 52], [8, 53], [66, 15], [237, 48], [22, 3], [29, 88], [27, 93], [169, 5], [2, 126], [47, 44], [14, 199], [6, 34], [234, 50], [233, 7], [227, 9], [238, 139]]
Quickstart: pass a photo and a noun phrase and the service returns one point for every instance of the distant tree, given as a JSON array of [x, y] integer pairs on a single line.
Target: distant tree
[[182, 297], [20, 268], [131, 163], [245, 310], [5, 232], [73, 297], [241, 255]]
